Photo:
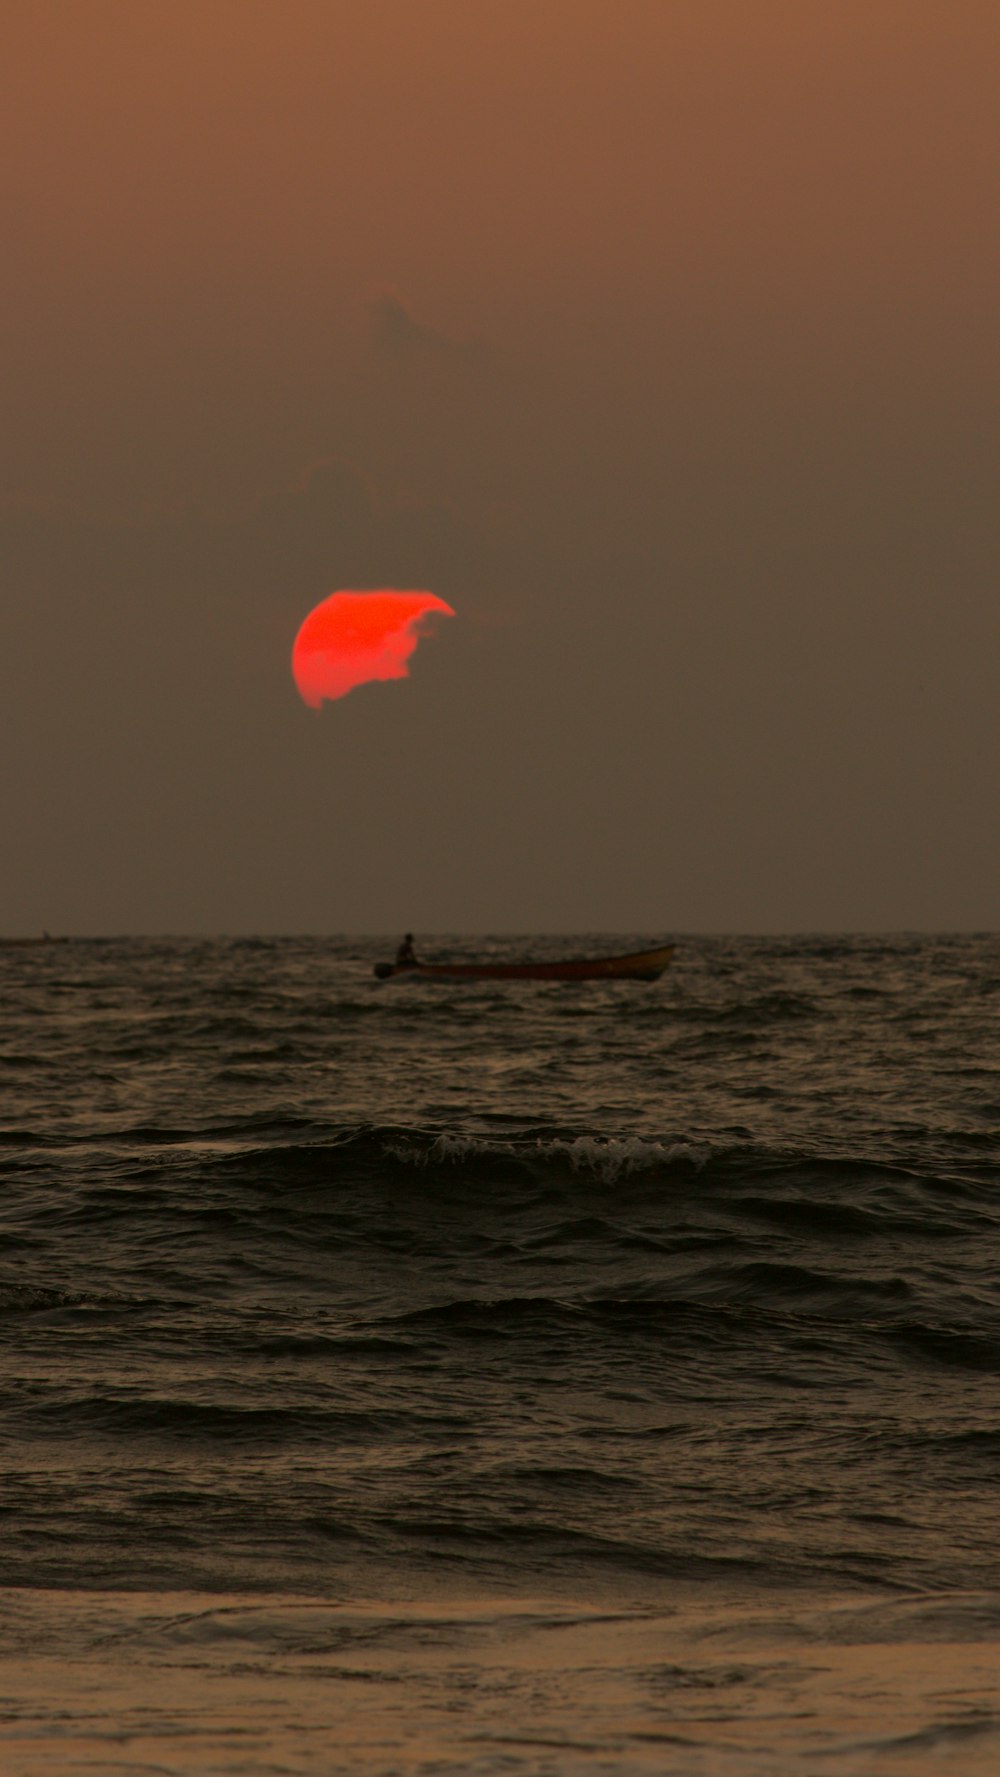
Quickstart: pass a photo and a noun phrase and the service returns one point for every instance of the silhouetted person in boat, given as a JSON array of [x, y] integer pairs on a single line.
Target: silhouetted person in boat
[[406, 956]]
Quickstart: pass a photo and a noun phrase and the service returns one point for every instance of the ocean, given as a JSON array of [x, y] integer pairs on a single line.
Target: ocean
[[500, 1378]]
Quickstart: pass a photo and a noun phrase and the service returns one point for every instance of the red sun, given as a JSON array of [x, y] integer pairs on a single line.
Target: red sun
[[355, 637]]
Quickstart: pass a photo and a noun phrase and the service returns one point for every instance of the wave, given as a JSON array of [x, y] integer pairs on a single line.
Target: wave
[[603, 1157], [934, 1184], [234, 1423], [940, 1188]]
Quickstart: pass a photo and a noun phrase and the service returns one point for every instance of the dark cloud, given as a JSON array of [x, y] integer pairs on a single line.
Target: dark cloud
[[82, 591], [399, 339], [333, 529]]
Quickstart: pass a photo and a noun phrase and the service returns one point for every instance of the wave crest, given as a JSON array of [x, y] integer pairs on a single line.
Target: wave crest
[[607, 1158]]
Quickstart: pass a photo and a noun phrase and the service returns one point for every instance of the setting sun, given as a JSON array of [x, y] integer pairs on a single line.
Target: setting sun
[[352, 638]]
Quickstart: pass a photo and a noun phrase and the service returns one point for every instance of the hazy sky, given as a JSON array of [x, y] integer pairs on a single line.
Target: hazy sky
[[660, 338]]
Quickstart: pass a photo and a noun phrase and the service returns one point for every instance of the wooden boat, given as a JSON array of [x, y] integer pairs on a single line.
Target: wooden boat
[[639, 965]]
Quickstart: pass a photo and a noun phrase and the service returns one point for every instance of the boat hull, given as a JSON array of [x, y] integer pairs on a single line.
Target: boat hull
[[639, 965]]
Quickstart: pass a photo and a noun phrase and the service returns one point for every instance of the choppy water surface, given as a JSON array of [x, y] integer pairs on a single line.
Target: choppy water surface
[[500, 1378]]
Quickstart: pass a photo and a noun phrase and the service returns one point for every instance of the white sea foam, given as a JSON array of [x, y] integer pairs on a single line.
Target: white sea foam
[[605, 1157], [614, 1157]]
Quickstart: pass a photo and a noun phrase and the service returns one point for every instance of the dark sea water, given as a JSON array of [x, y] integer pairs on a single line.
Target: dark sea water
[[500, 1378]]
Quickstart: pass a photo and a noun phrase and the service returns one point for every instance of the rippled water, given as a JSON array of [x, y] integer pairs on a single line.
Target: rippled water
[[500, 1378]]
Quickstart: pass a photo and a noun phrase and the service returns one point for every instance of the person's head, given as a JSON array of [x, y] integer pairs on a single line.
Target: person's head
[[409, 938]]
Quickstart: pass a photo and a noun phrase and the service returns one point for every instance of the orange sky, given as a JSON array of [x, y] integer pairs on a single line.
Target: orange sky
[[683, 308], [201, 194]]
